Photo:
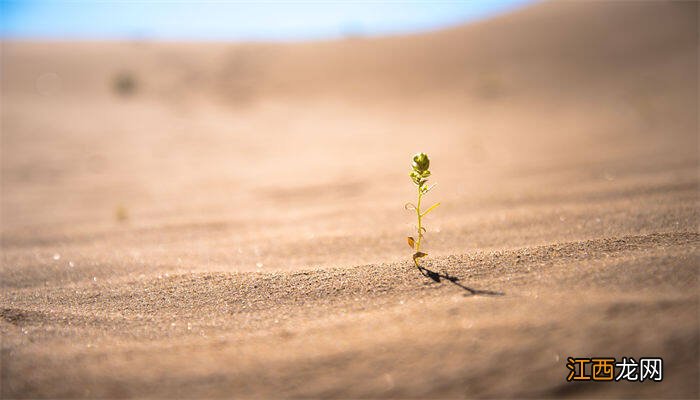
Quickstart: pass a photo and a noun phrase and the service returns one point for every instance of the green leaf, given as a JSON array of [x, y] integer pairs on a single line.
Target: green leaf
[[421, 162], [411, 242], [434, 206], [419, 254], [430, 188]]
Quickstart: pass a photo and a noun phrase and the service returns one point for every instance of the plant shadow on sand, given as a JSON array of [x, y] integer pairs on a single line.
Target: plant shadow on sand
[[437, 277]]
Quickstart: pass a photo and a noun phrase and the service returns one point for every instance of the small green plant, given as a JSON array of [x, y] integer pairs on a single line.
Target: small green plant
[[419, 175]]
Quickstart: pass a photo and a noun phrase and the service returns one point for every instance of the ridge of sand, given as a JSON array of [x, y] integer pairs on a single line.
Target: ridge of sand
[[235, 328], [271, 289]]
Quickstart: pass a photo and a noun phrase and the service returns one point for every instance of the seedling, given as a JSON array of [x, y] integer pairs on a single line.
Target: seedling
[[419, 176]]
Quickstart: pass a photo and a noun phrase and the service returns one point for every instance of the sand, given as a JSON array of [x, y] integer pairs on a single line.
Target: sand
[[232, 224]]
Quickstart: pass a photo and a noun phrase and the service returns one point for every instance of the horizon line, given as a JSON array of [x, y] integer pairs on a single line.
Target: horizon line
[[259, 32]]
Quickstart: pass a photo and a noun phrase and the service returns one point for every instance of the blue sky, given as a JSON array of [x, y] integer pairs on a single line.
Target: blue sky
[[234, 20]]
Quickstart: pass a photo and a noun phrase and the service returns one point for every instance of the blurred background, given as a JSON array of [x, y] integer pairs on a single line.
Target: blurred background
[[230, 135], [207, 198], [236, 20]]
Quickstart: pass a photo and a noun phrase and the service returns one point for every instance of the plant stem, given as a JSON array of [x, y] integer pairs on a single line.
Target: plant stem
[[420, 233]]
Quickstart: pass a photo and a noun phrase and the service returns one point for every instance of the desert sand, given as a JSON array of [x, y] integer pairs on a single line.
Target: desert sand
[[226, 219]]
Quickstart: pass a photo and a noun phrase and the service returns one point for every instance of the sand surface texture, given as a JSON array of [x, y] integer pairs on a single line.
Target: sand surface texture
[[213, 219]]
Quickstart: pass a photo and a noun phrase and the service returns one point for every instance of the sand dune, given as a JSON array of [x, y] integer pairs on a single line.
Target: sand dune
[[229, 221]]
